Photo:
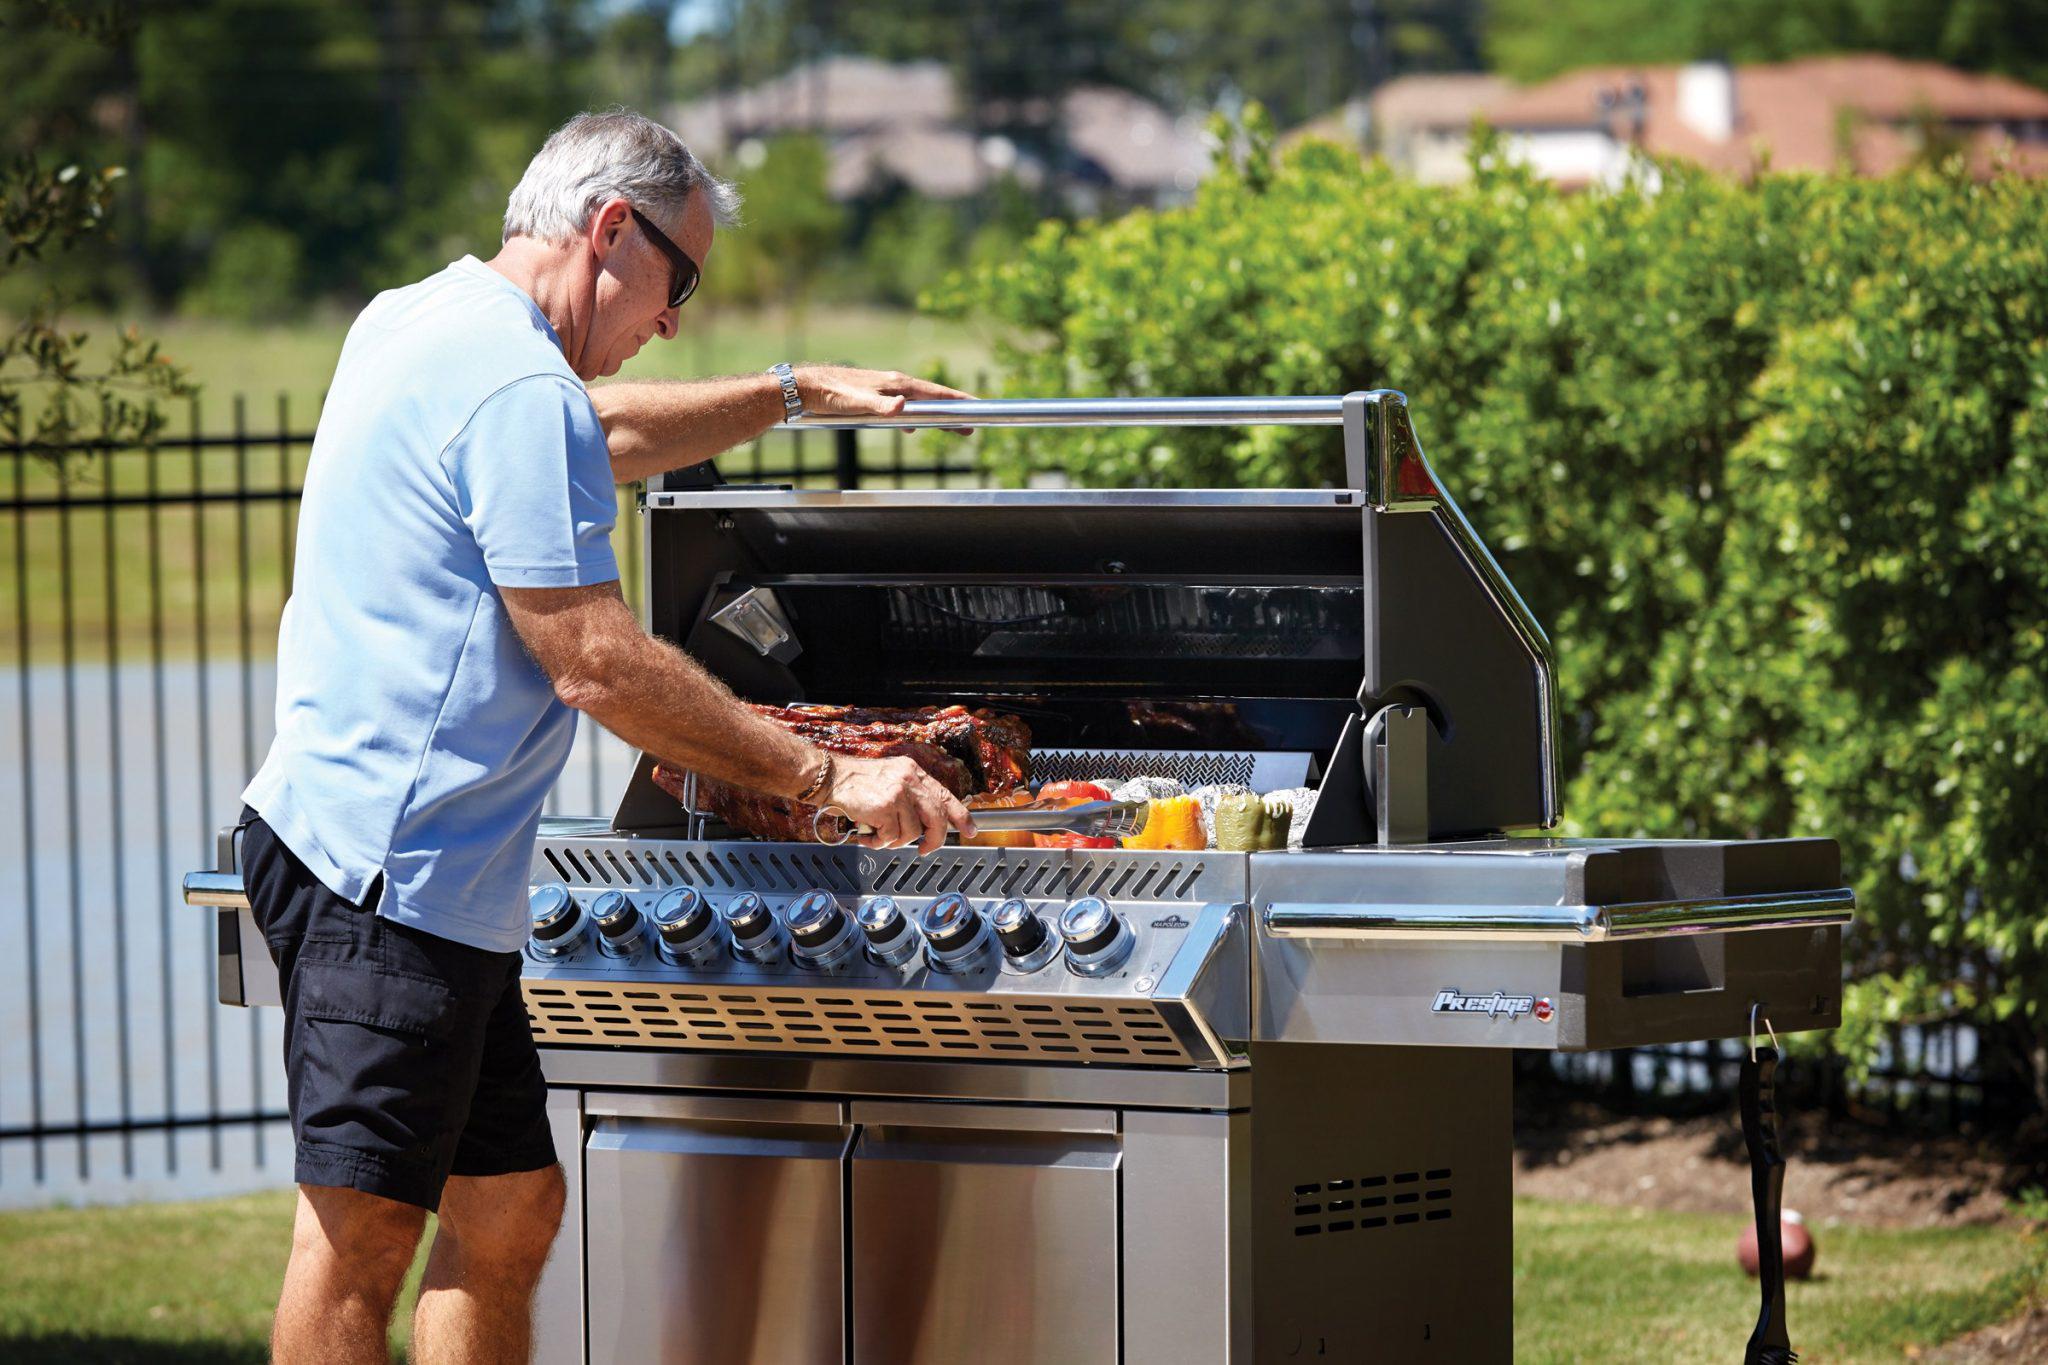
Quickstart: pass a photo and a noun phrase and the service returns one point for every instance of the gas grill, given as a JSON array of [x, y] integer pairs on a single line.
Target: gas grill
[[1060, 1105]]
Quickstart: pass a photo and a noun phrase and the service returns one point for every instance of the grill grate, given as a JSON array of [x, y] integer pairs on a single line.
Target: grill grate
[[1013, 1028], [1372, 1202]]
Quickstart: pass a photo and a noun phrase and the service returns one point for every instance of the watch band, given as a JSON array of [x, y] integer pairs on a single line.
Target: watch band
[[792, 401]]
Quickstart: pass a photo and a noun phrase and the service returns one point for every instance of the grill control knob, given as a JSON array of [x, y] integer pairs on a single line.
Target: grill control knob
[[1098, 940], [756, 936], [619, 926], [820, 933], [955, 933], [1027, 945], [555, 919], [687, 928], [891, 940]]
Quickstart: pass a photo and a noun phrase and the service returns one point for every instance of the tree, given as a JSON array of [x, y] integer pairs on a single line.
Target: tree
[[1534, 39], [49, 397]]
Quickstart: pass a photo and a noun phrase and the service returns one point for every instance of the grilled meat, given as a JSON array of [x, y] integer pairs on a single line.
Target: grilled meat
[[970, 753]]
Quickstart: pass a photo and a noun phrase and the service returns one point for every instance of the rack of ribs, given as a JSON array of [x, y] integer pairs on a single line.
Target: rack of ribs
[[973, 754]]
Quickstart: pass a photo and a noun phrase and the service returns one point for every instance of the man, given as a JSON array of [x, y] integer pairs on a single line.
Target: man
[[455, 598]]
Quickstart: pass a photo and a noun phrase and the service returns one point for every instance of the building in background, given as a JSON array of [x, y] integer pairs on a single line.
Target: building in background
[[1867, 113], [891, 124]]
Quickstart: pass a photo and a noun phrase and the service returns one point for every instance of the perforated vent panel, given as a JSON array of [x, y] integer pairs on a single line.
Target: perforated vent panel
[[786, 869], [1370, 1203], [771, 869], [1014, 1028]]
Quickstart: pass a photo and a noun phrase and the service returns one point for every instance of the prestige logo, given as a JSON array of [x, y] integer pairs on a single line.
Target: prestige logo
[[1493, 1005]]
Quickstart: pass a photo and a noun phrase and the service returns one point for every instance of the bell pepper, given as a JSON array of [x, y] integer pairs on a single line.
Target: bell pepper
[[1071, 794], [1014, 838], [1245, 822], [1173, 822]]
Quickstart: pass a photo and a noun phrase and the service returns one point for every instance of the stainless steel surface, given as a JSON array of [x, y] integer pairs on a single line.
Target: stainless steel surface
[[1398, 477], [972, 1241], [717, 1237], [1559, 924], [1396, 739], [963, 1000], [1187, 1222], [1114, 819], [738, 497], [1382, 1213], [1099, 412], [558, 1302], [218, 889], [937, 1078]]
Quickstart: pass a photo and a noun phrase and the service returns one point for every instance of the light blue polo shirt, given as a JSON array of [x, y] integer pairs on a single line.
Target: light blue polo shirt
[[416, 739]]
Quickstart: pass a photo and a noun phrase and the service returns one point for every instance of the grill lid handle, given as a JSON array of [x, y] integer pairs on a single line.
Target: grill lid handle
[[1099, 412]]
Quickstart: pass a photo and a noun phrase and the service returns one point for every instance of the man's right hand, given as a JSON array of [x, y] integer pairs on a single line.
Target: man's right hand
[[900, 801]]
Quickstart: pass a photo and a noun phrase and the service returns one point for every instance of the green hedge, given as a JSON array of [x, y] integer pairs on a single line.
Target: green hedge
[[1768, 460]]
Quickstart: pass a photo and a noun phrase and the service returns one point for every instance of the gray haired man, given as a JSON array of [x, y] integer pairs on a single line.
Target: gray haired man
[[455, 599]]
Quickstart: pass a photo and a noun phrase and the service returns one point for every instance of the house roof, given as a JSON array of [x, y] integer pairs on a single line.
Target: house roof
[[836, 95], [1442, 100], [1790, 112]]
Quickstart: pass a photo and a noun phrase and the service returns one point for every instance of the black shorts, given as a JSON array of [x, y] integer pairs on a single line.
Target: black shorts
[[407, 1056]]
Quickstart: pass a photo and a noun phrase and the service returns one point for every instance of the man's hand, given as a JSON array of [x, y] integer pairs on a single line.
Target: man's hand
[[655, 425], [837, 391], [900, 801]]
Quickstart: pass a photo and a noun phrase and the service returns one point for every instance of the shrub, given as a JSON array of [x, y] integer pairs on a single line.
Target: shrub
[[1767, 458], [253, 276]]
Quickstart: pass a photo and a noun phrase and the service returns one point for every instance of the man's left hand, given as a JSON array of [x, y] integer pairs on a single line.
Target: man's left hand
[[841, 391]]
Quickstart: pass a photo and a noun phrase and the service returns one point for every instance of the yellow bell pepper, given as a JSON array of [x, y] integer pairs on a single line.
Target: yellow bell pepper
[[1173, 822]]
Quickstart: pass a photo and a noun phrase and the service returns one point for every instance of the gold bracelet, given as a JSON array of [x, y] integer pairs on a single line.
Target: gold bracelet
[[819, 783]]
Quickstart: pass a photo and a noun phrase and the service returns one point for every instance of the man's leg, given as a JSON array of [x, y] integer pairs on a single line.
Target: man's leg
[[350, 1252], [476, 1302]]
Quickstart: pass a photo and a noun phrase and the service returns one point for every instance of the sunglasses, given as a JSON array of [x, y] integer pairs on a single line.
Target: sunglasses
[[683, 272]]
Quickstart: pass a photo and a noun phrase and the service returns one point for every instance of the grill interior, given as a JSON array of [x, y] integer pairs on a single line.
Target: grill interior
[[1015, 1028]]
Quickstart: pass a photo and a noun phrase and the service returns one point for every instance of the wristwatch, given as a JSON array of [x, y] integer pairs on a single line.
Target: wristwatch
[[792, 401]]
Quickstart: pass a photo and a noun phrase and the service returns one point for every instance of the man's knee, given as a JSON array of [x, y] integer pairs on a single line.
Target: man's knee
[[364, 1240], [507, 1221]]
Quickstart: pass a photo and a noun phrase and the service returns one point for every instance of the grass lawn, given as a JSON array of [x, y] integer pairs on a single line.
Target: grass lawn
[[192, 1282], [296, 359]]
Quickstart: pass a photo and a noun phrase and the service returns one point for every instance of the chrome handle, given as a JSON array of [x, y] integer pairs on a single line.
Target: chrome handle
[[1581, 924], [222, 890], [1099, 412], [832, 827]]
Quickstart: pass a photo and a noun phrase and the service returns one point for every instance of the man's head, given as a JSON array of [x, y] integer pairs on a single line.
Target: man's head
[[613, 270]]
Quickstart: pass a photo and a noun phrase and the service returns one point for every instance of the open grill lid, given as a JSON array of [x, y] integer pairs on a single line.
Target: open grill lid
[[1251, 622]]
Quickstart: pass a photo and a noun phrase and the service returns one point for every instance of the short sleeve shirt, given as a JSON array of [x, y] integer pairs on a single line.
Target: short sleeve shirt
[[416, 739]]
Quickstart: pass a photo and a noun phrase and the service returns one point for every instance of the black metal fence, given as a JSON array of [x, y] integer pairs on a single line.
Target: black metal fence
[[142, 593]]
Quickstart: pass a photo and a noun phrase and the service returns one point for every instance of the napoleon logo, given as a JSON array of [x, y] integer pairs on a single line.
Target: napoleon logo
[[1170, 922], [1493, 1005]]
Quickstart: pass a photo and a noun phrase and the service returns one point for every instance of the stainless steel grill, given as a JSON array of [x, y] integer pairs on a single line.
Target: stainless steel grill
[[1052, 1105]]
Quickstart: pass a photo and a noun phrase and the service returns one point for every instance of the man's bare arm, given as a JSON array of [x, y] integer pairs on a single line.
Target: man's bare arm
[[655, 425], [657, 698]]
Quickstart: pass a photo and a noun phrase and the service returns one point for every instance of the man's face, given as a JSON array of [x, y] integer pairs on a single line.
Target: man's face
[[634, 276]]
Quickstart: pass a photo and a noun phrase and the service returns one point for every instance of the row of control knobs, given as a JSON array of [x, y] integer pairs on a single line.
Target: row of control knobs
[[816, 933]]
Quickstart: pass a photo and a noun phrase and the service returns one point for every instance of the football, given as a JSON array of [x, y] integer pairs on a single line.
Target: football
[[1792, 1236]]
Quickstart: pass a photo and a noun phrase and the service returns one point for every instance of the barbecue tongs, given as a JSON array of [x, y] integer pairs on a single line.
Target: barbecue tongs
[[1096, 819]]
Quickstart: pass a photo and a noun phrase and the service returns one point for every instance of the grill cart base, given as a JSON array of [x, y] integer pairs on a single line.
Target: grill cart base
[[1336, 1203]]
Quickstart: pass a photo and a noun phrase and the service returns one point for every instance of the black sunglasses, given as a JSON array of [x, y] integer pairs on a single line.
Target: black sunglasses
[[683, 272]]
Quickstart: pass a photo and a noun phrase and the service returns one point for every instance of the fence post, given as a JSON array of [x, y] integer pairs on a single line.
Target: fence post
[[846, 456]]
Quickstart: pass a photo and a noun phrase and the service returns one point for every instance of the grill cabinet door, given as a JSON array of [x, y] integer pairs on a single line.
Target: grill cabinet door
[[975, 1238], [713, 1232]]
